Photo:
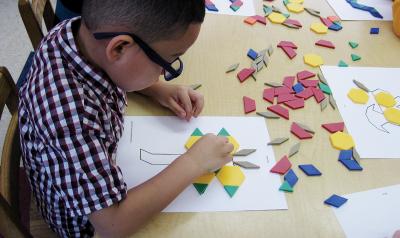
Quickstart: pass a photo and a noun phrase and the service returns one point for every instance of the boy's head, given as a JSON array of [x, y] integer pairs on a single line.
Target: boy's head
[[169, 27]]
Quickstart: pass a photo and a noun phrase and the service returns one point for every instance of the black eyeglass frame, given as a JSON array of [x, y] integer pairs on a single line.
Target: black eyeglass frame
[[169, 72]]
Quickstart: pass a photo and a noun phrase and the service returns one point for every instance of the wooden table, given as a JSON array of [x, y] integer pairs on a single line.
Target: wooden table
[[224, 40]]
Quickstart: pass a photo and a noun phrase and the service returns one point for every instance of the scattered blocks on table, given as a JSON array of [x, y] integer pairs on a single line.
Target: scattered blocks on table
[[312, 12], [291, 178], [245, 74], [294, 149], [355, 57], [335, 27], [290, 52], [326, 21], [299, 132], [292, 23], [278, 141], [260, 19], [305, 74], [325, 43], [211, 6], [392, 115], [286, 98], [232, 68], [282, 166], [283, 90], [342, 64], [279, 110], [374, 31], [298, 88], [289, 81], [236, 5], [325, 88], [358, 96], [341, 141], [269, 94], [319, 28], [333, 127], [273, 84], [313, 60], [309, 83], [250, 20], [295, 104], [353, 44], [351, 165], [324, 104], [249, 104], [332, 102], [318, 94], [310, 170], [335, 201], [286, 187], [268, 115], [295, 7], [195, 86], [231, 177], [346, 155], [305, 94], [276, 18], [252, 54], [385, 99]]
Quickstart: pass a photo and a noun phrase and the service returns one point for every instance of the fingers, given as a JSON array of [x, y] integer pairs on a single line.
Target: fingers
[[186, 103], [198, 102], [177, 109]]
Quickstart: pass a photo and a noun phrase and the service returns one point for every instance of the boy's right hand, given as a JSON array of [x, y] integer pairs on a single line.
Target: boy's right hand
[[210, 153]]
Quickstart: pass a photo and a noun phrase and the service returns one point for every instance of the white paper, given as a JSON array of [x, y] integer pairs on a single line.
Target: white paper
[[167, 135], [347, 13], [371, 214], [247, 9], [373, 135]]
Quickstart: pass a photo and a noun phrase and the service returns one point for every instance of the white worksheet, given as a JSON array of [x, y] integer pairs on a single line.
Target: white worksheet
[[374, 136], [147, 141], [347, 13], [247, 9], [371, 214]]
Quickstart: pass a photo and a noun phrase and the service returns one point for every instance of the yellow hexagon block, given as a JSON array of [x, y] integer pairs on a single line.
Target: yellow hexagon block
[[358, 96], [392, 115], [342, 141], [385, 99], [295, 7], [231, 177], [319, 28], [313, 60], [276, 18], [296, 1]]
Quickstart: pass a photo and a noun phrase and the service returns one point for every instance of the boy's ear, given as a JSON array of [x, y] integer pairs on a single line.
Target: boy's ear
[[117, 47]]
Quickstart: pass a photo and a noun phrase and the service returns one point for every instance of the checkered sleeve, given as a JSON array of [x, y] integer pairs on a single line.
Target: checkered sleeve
[[83, 173]]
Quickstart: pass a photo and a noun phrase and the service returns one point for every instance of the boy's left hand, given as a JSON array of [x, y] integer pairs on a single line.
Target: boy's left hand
[[182, 100]]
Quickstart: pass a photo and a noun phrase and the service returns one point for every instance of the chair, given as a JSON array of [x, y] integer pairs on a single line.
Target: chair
[[10, 224], [33, 14], [11, 181]]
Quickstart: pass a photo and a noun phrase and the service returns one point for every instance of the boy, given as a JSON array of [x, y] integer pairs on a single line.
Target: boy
[[71, 113]]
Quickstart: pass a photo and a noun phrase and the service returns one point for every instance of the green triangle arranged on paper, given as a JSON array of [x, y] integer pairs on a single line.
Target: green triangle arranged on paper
[[286, 187], [231, 190], [223, 132], [353, 44], [234, 8], [342, 64], [200, 187], [197, 132], [355, 57]]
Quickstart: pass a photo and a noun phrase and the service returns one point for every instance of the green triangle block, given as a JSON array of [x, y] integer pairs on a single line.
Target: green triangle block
[[355, 57], [325, 88], [223, 132], [231, 190], [200, 187], [353, 44], [287, 15], [286, 187], [285, 2], [234, 8], [342, 64], [197, 132]]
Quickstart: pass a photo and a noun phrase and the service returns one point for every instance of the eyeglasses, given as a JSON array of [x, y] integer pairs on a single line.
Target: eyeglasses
[[171, 70]]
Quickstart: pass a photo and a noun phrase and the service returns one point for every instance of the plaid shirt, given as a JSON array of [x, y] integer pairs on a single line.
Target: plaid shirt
[[70, 118]]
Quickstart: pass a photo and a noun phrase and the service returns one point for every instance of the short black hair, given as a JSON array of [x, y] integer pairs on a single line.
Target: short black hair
[[151, 20]]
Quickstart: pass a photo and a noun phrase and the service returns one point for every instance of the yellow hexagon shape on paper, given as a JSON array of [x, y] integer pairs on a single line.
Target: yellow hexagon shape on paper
[[385, 99], [276, 18], [296, 1], [342, 141], [392, 115], [319, 28], [313, 60], [295, 7], [358, 96]]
